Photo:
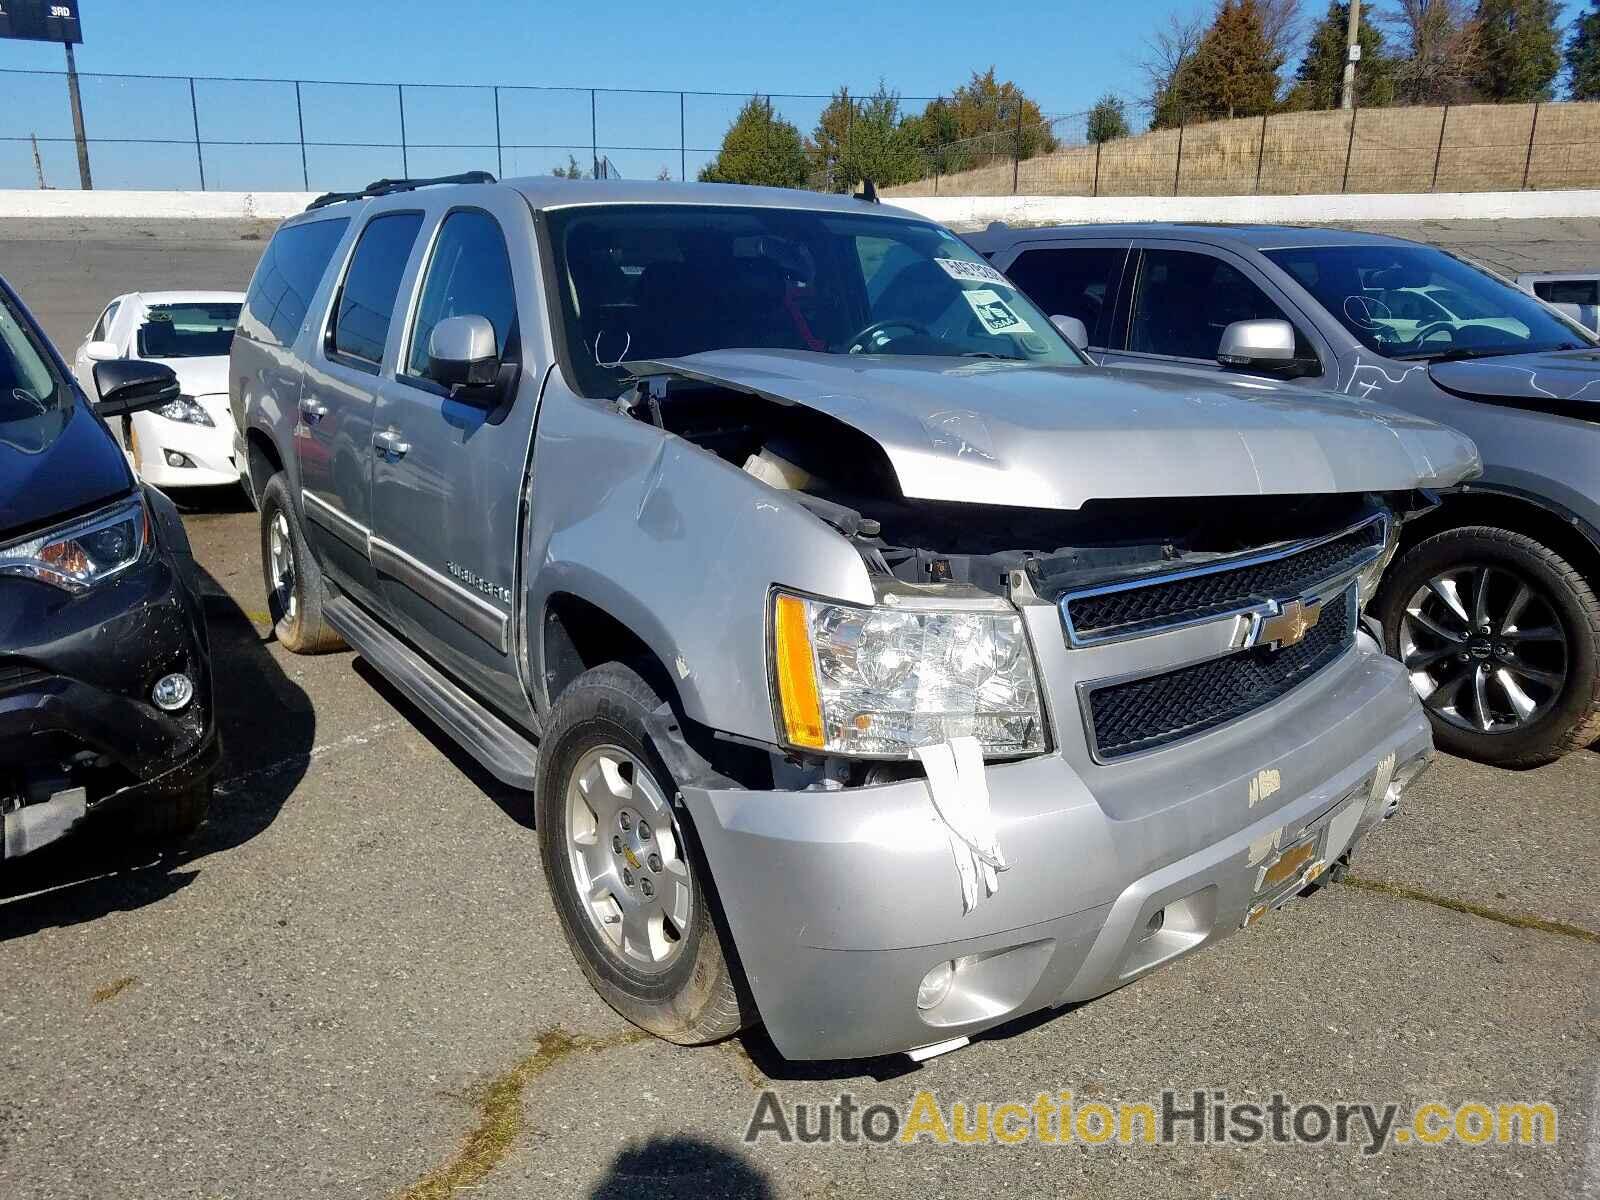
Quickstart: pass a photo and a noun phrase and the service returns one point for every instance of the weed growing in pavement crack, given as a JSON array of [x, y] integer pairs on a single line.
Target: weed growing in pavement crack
[[499, 1104], [112, 990], [1539, 924]]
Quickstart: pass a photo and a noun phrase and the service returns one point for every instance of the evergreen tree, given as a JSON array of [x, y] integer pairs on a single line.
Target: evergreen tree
[[760, 147], [1583, 54], [1235, 70], [984, 119], [1519, 49], [1319, 81], [571, 171], [1108, 119]]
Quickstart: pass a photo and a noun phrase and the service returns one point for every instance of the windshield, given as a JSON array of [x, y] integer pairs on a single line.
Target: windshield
[[197, 330], [643, 282], [34, 404], [1418, 302]]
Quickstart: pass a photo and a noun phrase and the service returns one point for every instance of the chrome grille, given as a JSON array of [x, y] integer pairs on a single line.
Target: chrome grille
[[1136, 607], [1141, 714]]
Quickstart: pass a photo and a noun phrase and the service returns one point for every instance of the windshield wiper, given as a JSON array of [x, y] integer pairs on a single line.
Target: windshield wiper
[[1456, 354]]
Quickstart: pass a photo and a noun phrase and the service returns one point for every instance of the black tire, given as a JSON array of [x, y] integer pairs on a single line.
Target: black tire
[[696, 998], [1571, 718], [299, 626], [171, 819]]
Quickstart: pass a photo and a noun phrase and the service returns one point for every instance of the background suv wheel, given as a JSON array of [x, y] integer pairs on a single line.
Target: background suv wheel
[[1501, 636]]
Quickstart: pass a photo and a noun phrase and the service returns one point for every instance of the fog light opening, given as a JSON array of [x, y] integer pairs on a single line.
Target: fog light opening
[[1154, 925], [176, 458], [172, 692], [936, 985]]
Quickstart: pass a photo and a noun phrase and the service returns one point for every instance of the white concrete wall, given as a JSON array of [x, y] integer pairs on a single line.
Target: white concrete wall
[[962, 212], [975, 212]]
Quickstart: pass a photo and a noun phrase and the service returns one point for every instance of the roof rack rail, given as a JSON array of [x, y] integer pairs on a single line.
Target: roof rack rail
[[386, 187]]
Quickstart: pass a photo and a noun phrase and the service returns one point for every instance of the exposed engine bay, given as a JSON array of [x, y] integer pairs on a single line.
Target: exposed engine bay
[[844, 477]]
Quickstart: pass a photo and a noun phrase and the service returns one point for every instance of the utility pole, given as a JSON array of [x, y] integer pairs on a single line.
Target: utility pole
[[1352, 55], [84, 178]]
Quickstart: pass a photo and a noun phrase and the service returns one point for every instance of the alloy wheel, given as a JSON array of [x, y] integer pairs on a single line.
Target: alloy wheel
[[628, 865], [280, 565], [1485, 648]]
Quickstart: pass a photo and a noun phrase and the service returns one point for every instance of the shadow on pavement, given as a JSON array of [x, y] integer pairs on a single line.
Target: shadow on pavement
[[516, 804], [267, 727], [680, 1167]]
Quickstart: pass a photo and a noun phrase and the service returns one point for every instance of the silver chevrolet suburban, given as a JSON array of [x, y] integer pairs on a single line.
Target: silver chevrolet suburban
[[881, 668]]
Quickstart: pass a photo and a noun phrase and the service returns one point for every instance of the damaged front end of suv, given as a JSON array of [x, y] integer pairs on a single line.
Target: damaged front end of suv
[[987, 685]]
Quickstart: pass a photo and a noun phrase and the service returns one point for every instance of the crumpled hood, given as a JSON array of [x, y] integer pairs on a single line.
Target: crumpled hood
[[1030, 436], [1563, 376]]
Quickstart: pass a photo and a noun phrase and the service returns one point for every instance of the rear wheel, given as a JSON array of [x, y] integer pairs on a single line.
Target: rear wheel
[[295, 590], [1501, 636], [628, 882]]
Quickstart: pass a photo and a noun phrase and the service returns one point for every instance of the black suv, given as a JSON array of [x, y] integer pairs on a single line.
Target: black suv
[[105, 676]]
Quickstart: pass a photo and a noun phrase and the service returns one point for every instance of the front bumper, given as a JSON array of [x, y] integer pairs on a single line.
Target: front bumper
[[840, 902], [209, 448], [76, 722]]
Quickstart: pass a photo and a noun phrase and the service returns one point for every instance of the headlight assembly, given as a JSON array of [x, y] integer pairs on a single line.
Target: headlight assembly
[[187, 410], [880, 682], [81, 554]]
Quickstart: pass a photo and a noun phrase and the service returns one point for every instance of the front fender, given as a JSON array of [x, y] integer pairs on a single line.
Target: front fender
[[680, 547]]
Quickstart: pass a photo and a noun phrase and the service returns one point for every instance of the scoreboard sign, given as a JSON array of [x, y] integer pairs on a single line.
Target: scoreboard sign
[[41, 20]]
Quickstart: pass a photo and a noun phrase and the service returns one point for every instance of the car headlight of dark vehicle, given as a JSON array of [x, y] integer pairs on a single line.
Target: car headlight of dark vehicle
[[85, 552]]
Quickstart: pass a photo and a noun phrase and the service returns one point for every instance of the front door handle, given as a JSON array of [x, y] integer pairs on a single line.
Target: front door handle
[[390, 445], [312, 409]]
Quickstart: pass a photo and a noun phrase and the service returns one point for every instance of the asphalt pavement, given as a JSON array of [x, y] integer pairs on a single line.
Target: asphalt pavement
[[354, 985]]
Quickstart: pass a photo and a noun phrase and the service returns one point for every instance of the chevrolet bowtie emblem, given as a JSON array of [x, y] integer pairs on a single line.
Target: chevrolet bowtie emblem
[[1289, 626]]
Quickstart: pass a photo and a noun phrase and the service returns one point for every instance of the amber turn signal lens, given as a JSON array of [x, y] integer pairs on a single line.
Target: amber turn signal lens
[[797, 677]]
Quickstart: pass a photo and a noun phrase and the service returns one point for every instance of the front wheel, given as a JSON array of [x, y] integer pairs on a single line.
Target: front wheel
[[628, 883], [1501, 636]]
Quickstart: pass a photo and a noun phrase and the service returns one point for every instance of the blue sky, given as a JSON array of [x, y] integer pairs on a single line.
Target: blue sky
[[1064, 53]]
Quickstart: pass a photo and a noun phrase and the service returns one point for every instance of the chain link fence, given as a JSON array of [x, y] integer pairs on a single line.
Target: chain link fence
[[246, 134]]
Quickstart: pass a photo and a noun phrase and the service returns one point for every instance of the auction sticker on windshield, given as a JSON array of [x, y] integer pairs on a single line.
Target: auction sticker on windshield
[[972, 272], [997, 316]]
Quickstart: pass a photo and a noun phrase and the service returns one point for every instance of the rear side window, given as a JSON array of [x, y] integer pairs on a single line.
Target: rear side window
[[287, 278], [468, 275], [104, 323], [366, 300], [1568, 291], [1078, 283], [1185, 300]]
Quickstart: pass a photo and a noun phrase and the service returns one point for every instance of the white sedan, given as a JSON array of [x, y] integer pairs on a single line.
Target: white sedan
[[189, 441]]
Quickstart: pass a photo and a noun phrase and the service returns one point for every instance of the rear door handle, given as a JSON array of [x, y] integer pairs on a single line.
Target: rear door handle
[[389, 444], [312, 409]]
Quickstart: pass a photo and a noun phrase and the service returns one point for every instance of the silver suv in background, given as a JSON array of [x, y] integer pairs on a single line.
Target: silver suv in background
[[1491, 603], [1574, 293], [881, 669]]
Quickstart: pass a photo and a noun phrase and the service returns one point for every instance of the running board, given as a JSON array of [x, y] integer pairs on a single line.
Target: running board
[[504, 752]]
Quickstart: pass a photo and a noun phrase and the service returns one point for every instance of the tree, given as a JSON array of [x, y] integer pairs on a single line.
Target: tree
[[878, 146], [1437, 47], [1169, 53], [982, 120], [1234, 72], [665, 174], [1108, 119], [1519, 49], [571, 171], [1583, 55], [1319, 81], [759, 147]]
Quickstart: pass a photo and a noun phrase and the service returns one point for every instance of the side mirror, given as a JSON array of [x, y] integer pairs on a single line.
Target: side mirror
[[1257, 345], [461, 353], [101, 351], [1074, 330], [130, 385]]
